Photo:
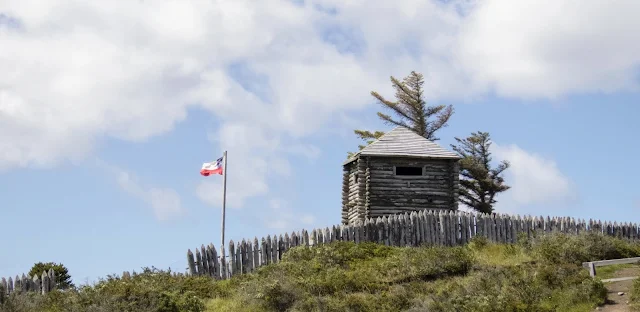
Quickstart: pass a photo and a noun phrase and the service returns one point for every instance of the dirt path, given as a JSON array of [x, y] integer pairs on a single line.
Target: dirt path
[[615, 302]]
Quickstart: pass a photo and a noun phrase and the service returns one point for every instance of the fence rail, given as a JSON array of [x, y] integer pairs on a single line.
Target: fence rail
[[428, 227], [593, 264], [39, 284]]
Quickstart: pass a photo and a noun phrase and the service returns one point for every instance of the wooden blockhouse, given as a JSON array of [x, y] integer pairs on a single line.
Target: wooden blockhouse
[[400, 172]]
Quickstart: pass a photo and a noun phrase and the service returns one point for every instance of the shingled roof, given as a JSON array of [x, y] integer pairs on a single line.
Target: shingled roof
[[404, 142]]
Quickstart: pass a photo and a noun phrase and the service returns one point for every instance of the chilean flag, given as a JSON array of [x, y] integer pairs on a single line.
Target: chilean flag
[[212, 168]]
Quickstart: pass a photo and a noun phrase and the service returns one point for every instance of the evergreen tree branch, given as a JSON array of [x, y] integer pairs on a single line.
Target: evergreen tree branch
[[367, 135], [431, 110], [410, 110], [479, 183], [394, 106], [402, 90], [387, 119], [442, 119]]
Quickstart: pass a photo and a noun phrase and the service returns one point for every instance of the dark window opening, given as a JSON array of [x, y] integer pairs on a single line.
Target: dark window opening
[[409, 171]]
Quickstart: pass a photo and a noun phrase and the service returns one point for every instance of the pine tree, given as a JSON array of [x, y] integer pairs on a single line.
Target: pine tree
[[410, 109], [63, 279], [480, 183]]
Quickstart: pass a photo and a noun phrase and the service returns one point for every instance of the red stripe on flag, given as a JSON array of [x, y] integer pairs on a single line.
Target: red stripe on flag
[[207, 173]]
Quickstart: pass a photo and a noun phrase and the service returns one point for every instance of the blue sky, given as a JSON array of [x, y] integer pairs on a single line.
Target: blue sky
[[104, 126]]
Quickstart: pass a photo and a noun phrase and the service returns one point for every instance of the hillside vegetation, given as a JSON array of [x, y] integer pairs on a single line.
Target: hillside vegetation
[[539, 275], [635, 295]]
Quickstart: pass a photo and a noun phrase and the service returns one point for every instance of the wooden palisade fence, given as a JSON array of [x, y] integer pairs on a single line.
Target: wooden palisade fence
[[40, 284], [430, 228]]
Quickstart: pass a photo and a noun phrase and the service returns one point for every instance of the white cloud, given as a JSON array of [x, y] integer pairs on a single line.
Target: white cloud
[[74, 73], [307, 219], [254, 154], [312, 152], [533, 48], [252, 157], [165, 202], [533, 179], [282, 217]]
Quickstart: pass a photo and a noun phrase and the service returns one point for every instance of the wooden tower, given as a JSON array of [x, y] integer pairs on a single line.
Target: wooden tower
[[400, 172]]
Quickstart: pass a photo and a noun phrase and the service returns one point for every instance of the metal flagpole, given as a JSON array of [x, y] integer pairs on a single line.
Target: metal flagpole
[[224, 194]]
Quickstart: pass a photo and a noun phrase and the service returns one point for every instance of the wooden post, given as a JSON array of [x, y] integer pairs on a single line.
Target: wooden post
[[383, 230], [454, 227], [592, 269], [205, 260], [312, 238], [327, 235], [52, 280], [379, 231], [212, 261], [302, 240], [25, 283], [199, 262], [250, 256], [464, 227], [45, 283], [216, 262], [242, 257], [428, 229], [274, 249], [414, 235], [281, 248], [263, 252], [392, 230], [256, 253], [287, 242], [191, 262], [17, 286], [403, 230], [232, 259], [420, 222], [36, 282]]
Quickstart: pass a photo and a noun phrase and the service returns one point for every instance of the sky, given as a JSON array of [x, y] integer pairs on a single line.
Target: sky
[[108, 110]]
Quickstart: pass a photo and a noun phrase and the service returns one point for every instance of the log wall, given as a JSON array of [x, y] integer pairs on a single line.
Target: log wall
[[392, 194], [353, 207], [371, 189]]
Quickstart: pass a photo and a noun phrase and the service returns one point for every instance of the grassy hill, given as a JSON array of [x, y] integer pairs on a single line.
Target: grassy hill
[[537, 275]]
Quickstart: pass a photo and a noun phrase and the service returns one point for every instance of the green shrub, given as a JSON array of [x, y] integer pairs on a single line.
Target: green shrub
[[524, 288], [152, 290], [338, 254], [410, 264], [367, 277], [397, 298], [576, 249], [478, 242], [338, 276], [635, 295], [543, 274]]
